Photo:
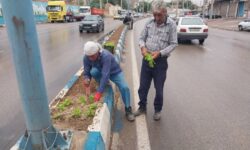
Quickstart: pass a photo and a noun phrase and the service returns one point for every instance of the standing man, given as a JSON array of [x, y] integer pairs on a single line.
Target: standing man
[[128, 20], [158, 39], [101, 65]]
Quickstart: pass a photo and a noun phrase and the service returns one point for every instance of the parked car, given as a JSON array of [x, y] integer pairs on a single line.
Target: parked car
[[244, 25], [93, 23], [190, 28]]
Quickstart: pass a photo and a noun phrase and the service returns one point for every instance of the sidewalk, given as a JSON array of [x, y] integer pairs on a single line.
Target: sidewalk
[[225, 24]]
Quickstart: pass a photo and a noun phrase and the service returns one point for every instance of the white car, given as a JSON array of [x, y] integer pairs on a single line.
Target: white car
[[190, 28], [244, 25]]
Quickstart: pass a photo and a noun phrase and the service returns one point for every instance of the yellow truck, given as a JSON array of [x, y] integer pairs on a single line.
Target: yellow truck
[[57, 11]]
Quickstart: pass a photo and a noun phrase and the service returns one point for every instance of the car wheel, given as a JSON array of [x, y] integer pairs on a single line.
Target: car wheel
[[99, 29], [240, 28], [80, 31], [87, 31], [179, 40], [103, 28], [201, 41]]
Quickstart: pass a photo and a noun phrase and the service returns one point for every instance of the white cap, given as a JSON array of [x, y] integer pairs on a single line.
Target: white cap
[[91, 48]]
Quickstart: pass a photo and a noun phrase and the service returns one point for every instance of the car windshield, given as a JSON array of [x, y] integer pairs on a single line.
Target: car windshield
[[90, 18], [84, 10], [192, 21]]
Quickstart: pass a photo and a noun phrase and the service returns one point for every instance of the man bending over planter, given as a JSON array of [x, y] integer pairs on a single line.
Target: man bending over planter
[[101, 65]]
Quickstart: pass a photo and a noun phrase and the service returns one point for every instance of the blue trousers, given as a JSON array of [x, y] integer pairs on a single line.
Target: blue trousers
[[119, 81], [158, 74]]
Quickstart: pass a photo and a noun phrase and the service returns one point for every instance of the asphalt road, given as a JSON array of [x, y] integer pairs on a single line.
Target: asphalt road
[[206, 96], [61, 47]]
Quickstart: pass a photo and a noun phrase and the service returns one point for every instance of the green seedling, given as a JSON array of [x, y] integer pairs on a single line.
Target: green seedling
[[93, 106], [82, 100], [90, 112], [64, 104], [150, 60], [91, 99], [61, 107], [76, 113], [67, 102]]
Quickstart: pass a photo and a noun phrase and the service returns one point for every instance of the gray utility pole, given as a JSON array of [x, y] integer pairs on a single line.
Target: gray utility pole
[[100, 4], [40, 133], [183, 4], [177, 8], [212, 10], [121, 3]]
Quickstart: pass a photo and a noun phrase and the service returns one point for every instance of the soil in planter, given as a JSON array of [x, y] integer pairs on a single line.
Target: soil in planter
[[75, 111], [116, 35]]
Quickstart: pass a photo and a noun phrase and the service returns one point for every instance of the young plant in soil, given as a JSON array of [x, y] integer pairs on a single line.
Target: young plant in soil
[[76, 113], [82, 100], [64, 104], [91, 99], [91, 110]]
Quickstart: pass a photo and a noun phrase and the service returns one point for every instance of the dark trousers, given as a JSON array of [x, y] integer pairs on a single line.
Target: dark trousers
[[158, 74]]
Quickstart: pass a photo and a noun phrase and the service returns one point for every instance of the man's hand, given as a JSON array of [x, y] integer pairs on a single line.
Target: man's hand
[[144, 51], [97, 96], [155, 54]]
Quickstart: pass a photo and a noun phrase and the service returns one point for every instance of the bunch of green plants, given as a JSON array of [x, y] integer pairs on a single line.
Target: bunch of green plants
[[82, 100], [91, 99], [64, 104], [150, 60], [76, 113], [109, 46], [91, 110]]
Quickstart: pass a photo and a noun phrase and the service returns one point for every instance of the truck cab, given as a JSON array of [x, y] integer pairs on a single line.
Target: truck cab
[[57, 11]]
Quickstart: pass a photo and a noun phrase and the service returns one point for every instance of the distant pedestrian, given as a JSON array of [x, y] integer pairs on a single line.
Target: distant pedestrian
[[158, 39], [128, 20], [102, 66]]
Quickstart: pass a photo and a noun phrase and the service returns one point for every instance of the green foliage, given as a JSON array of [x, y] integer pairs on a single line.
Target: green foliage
[[76, 113], [91, 98], [110, 46], [90, 113], [61, 107], [64, 104], [67, 102], [82, 100], [91, 110], [150, 60], [93, 106]]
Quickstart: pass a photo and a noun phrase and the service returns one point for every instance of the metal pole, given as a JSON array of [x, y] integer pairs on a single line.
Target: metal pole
[[19, 19], [100, 4], [211, 11], [177, 8]]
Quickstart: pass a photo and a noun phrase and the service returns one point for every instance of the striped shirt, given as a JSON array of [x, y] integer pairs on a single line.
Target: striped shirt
[[162, 38]]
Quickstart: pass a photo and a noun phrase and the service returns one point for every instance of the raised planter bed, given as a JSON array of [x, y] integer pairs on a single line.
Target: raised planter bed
[[75, 111]]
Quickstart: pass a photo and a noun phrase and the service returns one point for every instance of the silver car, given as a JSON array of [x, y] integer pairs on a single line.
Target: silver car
[[244, 25]]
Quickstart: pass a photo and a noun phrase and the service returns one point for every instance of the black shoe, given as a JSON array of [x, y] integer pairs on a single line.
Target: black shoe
[[157, 116], [129, 115], [141, 110]]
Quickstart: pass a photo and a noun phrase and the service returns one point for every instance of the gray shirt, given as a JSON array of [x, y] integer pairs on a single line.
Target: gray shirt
[[162, 38]]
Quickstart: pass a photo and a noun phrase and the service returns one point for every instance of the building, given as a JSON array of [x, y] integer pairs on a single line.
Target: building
[[230, 8]]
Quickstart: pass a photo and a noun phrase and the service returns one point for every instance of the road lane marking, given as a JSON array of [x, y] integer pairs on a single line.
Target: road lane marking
[[140, 121]]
